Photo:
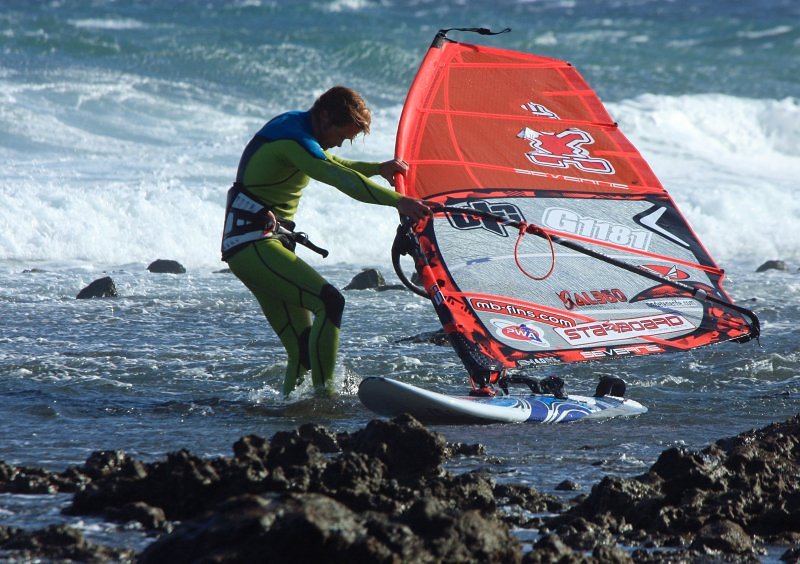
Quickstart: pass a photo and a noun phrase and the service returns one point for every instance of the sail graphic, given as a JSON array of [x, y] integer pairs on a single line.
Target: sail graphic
[[555, 242]]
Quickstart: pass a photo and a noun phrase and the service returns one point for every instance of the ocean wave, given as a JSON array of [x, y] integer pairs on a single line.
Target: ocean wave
[[134, 173]]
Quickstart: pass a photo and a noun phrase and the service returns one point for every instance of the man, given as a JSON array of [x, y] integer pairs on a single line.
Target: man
[[300, 305]]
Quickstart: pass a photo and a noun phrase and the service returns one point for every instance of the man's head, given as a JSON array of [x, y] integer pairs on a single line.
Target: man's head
[[339, 115]]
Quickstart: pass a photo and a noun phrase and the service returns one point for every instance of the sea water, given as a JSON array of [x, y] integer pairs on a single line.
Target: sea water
[[121, 127]]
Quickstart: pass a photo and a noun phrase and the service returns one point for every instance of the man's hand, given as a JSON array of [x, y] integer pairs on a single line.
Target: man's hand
[[414, 208], [389, 168]]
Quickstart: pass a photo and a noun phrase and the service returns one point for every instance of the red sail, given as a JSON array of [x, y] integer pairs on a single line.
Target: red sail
[[518, 140]]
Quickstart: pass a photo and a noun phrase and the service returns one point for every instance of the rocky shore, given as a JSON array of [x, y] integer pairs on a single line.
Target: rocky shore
[[382, 494]]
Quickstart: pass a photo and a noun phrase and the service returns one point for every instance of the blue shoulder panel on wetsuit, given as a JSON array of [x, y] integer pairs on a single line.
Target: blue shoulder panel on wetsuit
[[295, 126]]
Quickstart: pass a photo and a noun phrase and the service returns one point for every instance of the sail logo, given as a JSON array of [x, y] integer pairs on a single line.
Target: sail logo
[[624, 329], [470, 221], [595, 297], [525, 312], [565, 149], [568, 221], [539, 110], [521, 332], [436, 295], [668, 272], [622, 351]]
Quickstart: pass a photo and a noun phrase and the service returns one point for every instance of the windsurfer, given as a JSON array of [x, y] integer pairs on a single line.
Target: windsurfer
[[275, 168]]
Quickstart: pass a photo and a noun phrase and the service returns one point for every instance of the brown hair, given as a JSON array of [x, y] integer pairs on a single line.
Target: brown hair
[[344, 106]]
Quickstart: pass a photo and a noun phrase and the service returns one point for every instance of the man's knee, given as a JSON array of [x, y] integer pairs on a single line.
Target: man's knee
[[334, 304]]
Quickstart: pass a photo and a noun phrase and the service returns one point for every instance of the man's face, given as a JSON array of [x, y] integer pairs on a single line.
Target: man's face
[[335, 135]]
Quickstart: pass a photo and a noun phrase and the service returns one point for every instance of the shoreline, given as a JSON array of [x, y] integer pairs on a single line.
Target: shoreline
[[382, 494]]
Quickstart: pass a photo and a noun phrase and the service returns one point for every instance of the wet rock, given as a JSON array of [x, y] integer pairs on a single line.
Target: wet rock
[[100, 288], [550, 548], [6, 533], [163, 266], [471, 537], [314, 527], [359, 481], [251, 448], [609, 554], [149, 517], [715, 500], [722, 536], [438, 337], [367, 279], [320, 437], [585, 535], [392, 442], [104, 463], [294, 462], [292, 528], [183, 486], [58, 543], [383, 494], [528, 499], [773, 265], [567, 486], [363, 504], [463, 449], [31, 480], [791, 555]]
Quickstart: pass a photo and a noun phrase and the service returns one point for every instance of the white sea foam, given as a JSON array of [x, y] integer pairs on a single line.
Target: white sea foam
[[117, 169], [729, 163], [115, 24]]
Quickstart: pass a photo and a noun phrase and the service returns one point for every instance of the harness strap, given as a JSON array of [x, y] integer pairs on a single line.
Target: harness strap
[[247, 220]]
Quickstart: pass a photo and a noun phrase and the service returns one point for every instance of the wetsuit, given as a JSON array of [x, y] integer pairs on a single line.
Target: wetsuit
[[275, 168]]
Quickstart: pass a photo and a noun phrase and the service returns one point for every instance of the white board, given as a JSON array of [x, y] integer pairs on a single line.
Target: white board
[[391, 398]]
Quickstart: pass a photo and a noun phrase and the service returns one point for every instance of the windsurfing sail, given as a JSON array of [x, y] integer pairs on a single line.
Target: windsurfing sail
[[555, 242]]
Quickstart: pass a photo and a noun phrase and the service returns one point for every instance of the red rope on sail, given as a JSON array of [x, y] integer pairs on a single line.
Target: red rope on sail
[[523, 228]]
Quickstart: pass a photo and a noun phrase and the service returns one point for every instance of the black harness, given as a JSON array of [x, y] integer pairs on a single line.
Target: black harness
[[247, 220]]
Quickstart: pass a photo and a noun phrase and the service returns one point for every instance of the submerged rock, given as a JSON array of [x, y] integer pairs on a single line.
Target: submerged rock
[[367, 279], [100, 288], [371, 279], [438, 337], [773, 265], [163, 266]]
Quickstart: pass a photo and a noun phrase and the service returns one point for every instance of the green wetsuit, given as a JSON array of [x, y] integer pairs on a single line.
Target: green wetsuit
[[275, 168]]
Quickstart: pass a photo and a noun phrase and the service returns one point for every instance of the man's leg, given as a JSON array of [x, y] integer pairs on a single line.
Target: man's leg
[[287, 288]]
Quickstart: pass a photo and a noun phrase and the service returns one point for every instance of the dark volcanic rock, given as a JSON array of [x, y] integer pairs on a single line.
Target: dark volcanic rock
[[722, 536], [100, 288], [378, 494], [382, 494], [374, 502], [371, 279], [316, 528], [367, 279], [163, 266], [58, 543], [438, 337], [718, 500], [773, 265], [393, 442], [140, 512]]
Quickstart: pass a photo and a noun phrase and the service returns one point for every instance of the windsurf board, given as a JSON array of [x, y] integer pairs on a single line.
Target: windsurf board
[[391, 398]]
